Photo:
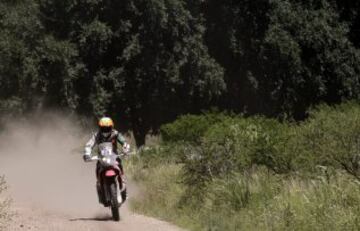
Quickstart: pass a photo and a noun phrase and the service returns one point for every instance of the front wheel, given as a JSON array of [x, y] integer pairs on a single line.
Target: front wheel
[[114, 202]]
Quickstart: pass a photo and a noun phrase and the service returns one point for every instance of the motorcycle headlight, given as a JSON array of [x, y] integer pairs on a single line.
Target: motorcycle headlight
[[106, 160]]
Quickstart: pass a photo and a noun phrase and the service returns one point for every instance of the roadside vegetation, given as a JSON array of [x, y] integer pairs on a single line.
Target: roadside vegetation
[[4, 206], [227, 172]]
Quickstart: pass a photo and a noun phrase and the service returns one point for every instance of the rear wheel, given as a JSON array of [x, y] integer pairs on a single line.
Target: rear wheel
[[114, 202]]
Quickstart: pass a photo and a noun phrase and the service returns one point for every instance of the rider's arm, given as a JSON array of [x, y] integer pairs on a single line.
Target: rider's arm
[[89, 145], [122, 141]]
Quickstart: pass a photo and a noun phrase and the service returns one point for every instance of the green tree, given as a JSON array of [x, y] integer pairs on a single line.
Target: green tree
[[18, 66], [309, 56], [235, 36], [36, 70], [349, 12], [144, 61], [282, 56]]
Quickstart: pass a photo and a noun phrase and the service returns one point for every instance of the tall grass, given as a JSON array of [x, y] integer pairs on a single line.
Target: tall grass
[[269, 202], [253, 201], [256, 173]]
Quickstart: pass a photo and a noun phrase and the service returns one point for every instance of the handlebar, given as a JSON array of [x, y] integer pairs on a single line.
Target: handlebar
[[96, 158]]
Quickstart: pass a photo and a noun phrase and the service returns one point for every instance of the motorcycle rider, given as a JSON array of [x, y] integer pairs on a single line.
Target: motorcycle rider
[[107, 133]]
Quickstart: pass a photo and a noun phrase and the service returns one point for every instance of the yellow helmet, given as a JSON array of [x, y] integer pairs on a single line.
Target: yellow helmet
[[106, 124]]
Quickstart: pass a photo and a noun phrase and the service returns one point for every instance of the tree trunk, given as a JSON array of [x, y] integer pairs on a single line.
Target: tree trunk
[[139, 127], [139, 136]]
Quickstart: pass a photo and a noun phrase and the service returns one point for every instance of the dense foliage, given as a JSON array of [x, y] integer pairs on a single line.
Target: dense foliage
[[256, 173], [282, 56], [145, 62]]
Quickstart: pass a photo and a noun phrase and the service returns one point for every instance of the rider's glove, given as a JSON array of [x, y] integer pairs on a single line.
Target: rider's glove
[[86, 158], [126, 148]]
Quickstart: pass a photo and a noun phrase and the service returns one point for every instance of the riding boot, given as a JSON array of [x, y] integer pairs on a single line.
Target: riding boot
[[122, 188], [99, 192]]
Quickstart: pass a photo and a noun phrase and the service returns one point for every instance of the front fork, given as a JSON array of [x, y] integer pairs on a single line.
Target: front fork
[[99, 193], [121, 181]]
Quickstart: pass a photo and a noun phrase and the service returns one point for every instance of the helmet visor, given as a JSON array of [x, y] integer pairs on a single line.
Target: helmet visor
[[105, 129]]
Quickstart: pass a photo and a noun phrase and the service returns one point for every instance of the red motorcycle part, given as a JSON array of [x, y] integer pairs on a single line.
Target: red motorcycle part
[[110, 173]]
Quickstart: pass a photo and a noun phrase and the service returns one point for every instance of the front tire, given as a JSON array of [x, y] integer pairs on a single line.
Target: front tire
[[114, 203], [123, 195]]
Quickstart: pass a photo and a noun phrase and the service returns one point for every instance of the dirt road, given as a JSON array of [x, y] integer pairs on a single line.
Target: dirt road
[[36, 218], [52, 188]]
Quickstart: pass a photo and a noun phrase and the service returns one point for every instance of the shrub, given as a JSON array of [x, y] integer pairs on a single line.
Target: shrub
[[160, 154], [190, 128], [331, 137], [237, 144]]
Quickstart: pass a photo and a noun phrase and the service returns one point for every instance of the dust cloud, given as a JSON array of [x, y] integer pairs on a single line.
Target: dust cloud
[[41, 158], [51, 187]]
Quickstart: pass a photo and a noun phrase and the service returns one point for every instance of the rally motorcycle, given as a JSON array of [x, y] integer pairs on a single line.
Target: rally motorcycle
[[109, 179]]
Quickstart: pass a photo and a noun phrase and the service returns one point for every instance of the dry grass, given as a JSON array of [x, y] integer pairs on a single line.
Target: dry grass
[[4, 206]]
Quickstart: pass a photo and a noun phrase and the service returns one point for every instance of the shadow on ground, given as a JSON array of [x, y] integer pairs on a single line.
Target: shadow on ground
[[104, 218]]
